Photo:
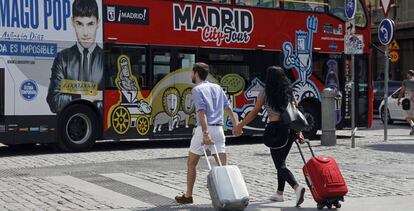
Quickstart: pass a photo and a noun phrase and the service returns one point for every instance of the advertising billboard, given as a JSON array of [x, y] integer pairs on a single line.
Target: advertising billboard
[[52, 53]]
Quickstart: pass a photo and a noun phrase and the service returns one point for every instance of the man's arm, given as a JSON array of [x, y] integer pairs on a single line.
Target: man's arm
[[250, 116], [230, 113], [203, 123], [201, 106], [400, 95]]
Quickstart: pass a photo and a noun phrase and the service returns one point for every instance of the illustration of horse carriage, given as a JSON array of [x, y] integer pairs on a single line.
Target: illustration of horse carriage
[[133, 113]]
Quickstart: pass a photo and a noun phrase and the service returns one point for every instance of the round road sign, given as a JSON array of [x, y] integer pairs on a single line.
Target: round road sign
[[386, 31], [350, 9]]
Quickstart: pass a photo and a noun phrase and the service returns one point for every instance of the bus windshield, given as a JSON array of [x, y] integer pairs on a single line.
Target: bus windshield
[[336, 8]]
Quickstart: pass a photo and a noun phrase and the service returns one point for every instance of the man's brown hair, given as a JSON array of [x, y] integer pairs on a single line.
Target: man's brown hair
[[201, 69]]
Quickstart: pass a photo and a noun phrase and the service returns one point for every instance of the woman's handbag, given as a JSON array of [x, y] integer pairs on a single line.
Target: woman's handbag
[[294, 118], [405, 104]]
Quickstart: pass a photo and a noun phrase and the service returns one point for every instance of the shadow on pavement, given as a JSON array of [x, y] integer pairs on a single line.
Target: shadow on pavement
[[267, 206], [42, 149], [181, 208], [404, 148]]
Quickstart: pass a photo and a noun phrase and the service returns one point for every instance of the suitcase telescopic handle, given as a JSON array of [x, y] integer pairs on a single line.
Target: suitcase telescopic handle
[[300, 149], [217, 154]]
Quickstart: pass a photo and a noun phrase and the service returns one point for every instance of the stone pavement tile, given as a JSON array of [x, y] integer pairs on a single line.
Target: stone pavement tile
[[402, 203], [60, 159], [374, 168], [260, 174], [109, 196], [56, 197]]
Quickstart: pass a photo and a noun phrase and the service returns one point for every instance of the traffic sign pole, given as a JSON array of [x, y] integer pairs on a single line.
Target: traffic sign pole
[[353, 101], [350, 10], [386, 35], [386, 74]]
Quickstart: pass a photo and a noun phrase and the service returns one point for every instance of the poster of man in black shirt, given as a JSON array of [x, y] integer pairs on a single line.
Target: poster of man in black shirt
[[78, 71]]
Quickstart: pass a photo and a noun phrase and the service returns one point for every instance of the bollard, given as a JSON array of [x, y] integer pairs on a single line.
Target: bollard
[[328, 117]]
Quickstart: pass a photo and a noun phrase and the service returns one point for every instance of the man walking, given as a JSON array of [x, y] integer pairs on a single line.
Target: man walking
[[209, 100], [407, 90]]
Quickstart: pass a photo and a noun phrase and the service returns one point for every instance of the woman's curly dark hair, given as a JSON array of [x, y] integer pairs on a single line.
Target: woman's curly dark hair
[[278, 88]]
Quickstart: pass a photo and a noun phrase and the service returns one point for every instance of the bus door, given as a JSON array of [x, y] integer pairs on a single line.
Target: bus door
[[2, 101], [362, 91], [173, 114], [127, 107]]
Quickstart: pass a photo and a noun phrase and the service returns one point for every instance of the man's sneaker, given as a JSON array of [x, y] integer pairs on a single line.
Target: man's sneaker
[[276, 197], [184, 200], [300, 193]]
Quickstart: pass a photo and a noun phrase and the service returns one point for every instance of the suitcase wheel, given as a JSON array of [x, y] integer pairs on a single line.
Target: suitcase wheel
[[329, 205], [320, 206], [337, 204]]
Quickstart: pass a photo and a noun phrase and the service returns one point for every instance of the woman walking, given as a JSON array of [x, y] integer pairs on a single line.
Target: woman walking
[[275, 97]]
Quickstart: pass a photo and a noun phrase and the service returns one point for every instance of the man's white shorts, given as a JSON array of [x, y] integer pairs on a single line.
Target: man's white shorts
[[216, 134]]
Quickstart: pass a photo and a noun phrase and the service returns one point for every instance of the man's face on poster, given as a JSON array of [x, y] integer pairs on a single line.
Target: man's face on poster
[[86, 28]]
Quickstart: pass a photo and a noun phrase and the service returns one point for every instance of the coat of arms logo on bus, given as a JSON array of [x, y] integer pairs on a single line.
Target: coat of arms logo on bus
[[110, 13], [216, 25], [301, 60]]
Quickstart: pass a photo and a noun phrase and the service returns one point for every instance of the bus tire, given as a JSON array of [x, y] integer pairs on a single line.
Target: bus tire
[[314, 118], [77, 129]]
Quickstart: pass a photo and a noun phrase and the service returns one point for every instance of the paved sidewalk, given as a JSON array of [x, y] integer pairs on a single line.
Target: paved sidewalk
[[400, 203], [380, 176]]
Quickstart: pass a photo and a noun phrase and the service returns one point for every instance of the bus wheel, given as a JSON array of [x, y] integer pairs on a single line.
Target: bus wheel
[[121, 120], [143, 125], [313, 117], [77, 129]]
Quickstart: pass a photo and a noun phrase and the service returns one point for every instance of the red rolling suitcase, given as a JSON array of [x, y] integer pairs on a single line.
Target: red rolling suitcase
[[324, 179]]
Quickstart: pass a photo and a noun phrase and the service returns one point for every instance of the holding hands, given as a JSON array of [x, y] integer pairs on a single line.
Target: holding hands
[[238, 130]]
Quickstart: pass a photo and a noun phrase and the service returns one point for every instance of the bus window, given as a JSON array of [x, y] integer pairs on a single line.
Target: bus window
[[186, 60], [222, 64], [137, 57], [161, 65], [318, 65], [2, 93], [336, 8], [215, 1], [321, 66], [360, 17], [259, 3], [305, 5]]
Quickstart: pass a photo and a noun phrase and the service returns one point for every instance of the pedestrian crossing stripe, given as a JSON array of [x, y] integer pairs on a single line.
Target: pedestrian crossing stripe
[[120, 199], [100, 192], [152, 187], [394, 45]]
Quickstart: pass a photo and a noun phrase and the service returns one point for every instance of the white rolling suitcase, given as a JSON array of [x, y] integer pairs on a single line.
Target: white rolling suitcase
[[227, 188]]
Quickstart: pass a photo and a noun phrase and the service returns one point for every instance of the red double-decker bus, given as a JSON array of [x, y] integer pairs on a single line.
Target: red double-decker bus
[[138, 71]]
